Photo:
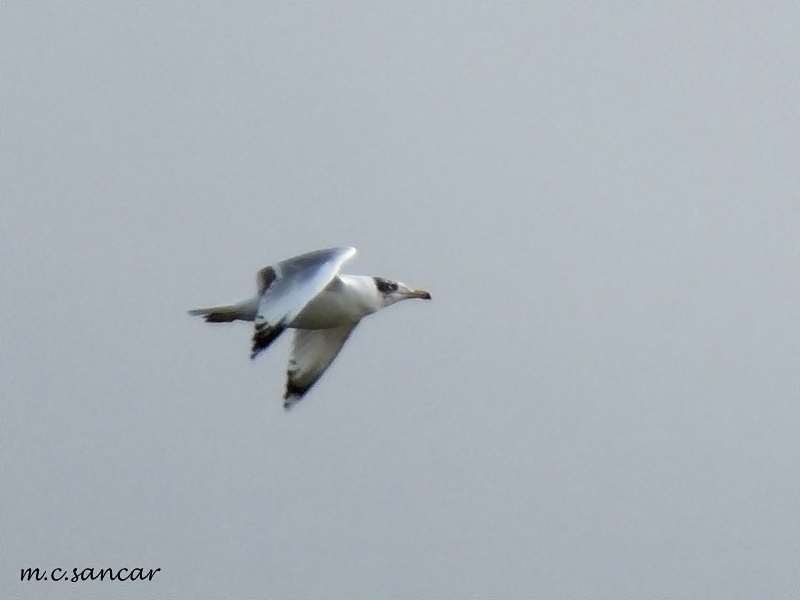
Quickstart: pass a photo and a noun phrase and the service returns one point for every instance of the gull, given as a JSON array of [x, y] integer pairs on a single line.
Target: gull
[[308, 293]]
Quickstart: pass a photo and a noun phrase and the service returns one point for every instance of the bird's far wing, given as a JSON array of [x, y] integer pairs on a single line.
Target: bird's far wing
[[288, 287], [312, 353], [264, 279]]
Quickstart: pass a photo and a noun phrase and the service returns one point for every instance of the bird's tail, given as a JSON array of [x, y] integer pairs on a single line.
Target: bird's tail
[[221, 314]]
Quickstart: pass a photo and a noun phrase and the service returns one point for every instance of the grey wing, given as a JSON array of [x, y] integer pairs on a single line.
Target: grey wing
[[286, 289], [312, 353]]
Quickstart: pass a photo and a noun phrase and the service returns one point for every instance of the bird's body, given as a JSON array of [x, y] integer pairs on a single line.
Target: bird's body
[[306, 293], [347, 298]]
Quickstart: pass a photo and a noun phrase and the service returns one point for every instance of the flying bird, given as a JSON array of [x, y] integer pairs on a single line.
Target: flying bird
[[307, 293]]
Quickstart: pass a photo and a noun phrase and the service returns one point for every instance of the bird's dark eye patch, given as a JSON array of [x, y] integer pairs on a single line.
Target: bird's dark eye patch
[[385, 286]]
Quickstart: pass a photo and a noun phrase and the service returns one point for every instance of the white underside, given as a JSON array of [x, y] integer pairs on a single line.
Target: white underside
[[348, 299]]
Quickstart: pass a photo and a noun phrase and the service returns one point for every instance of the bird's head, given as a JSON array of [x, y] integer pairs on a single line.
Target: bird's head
[[394, 291]]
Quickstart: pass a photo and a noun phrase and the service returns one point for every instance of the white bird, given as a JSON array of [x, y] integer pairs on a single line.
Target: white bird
[[308, 294]]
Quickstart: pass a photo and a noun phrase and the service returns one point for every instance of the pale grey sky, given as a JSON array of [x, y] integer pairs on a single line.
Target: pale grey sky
[[603, 399]]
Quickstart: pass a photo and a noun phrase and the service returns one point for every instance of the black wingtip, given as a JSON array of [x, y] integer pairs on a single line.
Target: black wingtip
[[294, 393], [263, 337]]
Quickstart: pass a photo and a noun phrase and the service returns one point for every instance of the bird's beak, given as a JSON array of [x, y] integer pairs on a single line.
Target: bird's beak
[[421, 294]]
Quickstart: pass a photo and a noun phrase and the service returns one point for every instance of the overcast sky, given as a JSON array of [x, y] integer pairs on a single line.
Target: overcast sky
[[603, 399]]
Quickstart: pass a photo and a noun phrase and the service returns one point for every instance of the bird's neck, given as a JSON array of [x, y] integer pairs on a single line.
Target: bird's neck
[[363, 290]]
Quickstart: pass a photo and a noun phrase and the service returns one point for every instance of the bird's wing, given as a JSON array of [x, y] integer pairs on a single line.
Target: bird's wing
[[286, 288], [312, 353]]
